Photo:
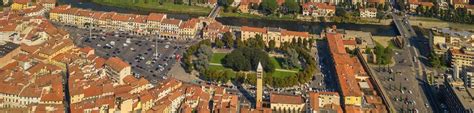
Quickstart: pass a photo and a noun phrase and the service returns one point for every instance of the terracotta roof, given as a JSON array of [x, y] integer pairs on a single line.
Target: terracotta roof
[[84, 13], [92, 91], [314, 101], [349, 42], [86, 49], [294, 33], [171, 21], [97, 15], [129, 79], [32, 10], [286, 99], [121, 17], [311, 5], [21, 1], [280, 2], [141, 82], [156, 17], [253, 29], [427, 4], [346, 67], [192, 23], [116, 63], [99, 62], [413, 1]]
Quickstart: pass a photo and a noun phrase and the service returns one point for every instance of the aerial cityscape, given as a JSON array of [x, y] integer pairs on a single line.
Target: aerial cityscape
[[236, 56]]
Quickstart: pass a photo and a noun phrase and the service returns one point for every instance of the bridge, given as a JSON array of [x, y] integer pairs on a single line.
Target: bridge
[[214, 12]]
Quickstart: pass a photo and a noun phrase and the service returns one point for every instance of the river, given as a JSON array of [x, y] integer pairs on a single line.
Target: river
[[312, 27]]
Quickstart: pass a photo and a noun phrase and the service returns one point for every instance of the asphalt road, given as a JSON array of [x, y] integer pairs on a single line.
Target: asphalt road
[[405, 80]]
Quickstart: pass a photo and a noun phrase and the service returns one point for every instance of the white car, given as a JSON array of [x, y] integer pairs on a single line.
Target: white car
[[167, 46]]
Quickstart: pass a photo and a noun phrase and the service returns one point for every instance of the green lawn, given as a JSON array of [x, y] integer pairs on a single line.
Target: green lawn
[[155, 6], [282, 74], [222, 68], [217, 57], [276, 62]]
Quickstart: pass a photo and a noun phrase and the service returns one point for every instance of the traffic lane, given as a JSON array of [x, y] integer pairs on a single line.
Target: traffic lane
[[404, 79]]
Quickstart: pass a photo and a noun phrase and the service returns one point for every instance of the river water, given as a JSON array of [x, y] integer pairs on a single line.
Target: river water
[[312, 27]]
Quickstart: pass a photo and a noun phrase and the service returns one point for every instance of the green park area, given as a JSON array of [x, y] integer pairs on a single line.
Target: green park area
[[156, 6], [239, 65], [217, 58]]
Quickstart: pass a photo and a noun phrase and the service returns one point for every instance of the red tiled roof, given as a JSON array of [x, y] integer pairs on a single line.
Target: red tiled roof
[[21, 1], [156, 17], [116, 63], [171, 21], [349, 42], [294, 33], [253, 29], [412, 1], [427, 4], [346, 67], [286, 99], [314, 101], [121, 17], [192, 23], [328, 6]]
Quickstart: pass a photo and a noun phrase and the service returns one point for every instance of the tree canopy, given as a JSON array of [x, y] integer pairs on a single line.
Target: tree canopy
[[269, 5], [246, 59]]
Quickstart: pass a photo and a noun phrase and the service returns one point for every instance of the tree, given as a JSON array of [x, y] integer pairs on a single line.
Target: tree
[[340, 12], [305, 43], [219, 43], [436, 61], [292, 59], [240, 58], [229, 39], [380, 15], [203, 54], [292, 6], [269, 5], [388, 54], [240, 44], [178, 2], [271, 45], [310, 42]]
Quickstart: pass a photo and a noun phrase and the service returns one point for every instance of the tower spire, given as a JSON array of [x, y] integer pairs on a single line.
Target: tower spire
[[258, 96]]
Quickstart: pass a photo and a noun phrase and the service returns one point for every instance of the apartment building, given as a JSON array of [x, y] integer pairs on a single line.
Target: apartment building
[[215, 30], [277, 34], [282, 103], [368, 12], [353, 82], [458, 97], [117, 69], [188, 29], [316, 9], [324, 102]]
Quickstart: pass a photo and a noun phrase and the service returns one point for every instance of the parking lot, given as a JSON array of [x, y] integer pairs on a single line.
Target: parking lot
[[150, 57]]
